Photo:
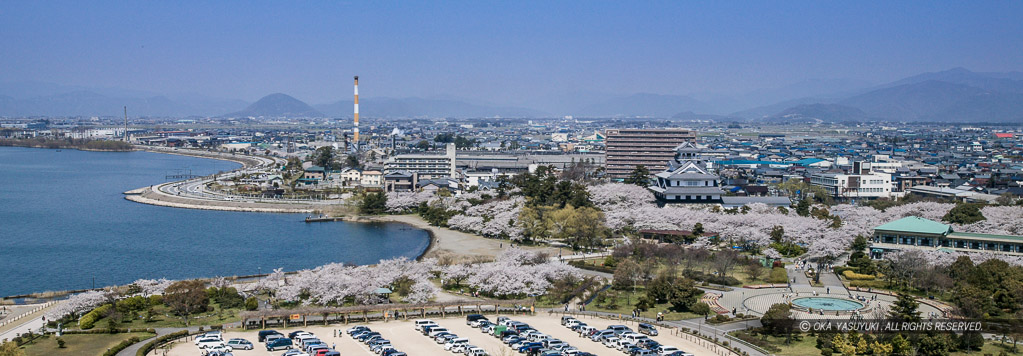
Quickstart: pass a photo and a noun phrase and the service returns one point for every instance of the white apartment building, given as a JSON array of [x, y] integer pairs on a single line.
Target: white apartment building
[[429, 166], [862, 184], [886, 164]]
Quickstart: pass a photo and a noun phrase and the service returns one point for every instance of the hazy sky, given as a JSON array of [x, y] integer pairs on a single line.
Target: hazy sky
[[505, 52]]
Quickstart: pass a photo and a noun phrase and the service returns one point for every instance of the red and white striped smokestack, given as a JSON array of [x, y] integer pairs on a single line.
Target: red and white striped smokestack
[[356, 112]]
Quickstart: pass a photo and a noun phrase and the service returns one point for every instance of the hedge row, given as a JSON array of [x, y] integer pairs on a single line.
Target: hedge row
[[89, 319], [584, 265], [853, 276], [107, 331], [149, 346], [123, 345]]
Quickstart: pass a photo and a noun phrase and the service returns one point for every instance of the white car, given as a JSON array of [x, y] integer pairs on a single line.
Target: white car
[[206, 338], [218, 350], [462, 348], [210, 343], [611, 342], [453, 342], [666, 350], [623, 344]]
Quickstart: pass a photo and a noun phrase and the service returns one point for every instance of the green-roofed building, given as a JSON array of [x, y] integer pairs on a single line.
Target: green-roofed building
[[918, 233]]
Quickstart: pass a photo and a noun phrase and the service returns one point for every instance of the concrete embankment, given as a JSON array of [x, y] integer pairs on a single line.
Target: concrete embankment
[[245, 161], [152, 196]]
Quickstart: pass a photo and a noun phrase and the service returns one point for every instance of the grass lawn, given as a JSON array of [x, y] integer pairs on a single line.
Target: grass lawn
[[802, 345], [624, 302], [162, 318], [993, 348], [806, 346], [78, 344]]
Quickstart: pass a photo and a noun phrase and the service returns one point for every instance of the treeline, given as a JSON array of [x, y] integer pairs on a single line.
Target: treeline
[[38, 142]]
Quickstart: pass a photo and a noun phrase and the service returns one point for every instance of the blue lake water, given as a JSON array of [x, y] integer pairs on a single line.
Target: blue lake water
[[64, 221]]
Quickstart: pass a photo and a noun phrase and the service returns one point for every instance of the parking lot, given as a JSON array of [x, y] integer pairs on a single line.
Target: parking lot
[[404, 337]]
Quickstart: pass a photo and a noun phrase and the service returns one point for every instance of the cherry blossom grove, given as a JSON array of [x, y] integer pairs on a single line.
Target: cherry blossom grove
[[515, 272], [632, 207], [153, 286], [78, 303], [518, 272], [334, 283], [496, 218]]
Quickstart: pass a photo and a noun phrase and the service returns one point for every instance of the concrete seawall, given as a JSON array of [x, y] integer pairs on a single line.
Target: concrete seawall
[[154, 197]]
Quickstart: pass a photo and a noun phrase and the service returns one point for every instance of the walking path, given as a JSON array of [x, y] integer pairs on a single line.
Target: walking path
[[31, 320]]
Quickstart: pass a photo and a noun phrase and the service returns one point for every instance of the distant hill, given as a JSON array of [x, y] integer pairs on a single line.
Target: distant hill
[[644, 104], [1001, 82], [819, 113], [419, 107], [955, 95], [691, 116], [277, 105], [762, 112]]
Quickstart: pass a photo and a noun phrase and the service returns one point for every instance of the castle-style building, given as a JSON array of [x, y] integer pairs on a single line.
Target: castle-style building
[[689, 178]]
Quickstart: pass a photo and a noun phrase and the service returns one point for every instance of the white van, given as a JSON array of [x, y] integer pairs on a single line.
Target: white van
[[539, 337], [476, 352], [585, 330], [435, 331], [421, 322], [633, 338]]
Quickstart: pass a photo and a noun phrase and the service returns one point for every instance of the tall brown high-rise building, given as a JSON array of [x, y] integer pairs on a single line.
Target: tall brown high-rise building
[[652, 148]]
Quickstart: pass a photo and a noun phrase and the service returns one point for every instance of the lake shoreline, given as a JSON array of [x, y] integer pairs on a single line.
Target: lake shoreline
[[363, 250]]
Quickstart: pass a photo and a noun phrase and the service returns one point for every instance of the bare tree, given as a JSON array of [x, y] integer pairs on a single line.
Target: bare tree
[[754, 270], [724, 261]]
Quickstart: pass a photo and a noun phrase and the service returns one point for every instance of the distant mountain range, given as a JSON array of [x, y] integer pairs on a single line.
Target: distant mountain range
[[277, 105], [955, 95]]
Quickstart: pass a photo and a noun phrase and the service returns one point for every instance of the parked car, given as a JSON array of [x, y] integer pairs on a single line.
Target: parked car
[[435, 331], [294, 352], [619, 329], [599, 335], [443, 339], [530, 346], [476, 352], [217, 350], [610, 342], [357, 328], [647, 329], [566, 319], [209, 343], [263, 334], [680, 353], [419, 323], [239, 344], [665, 350], [469, 319], [278, 344]]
